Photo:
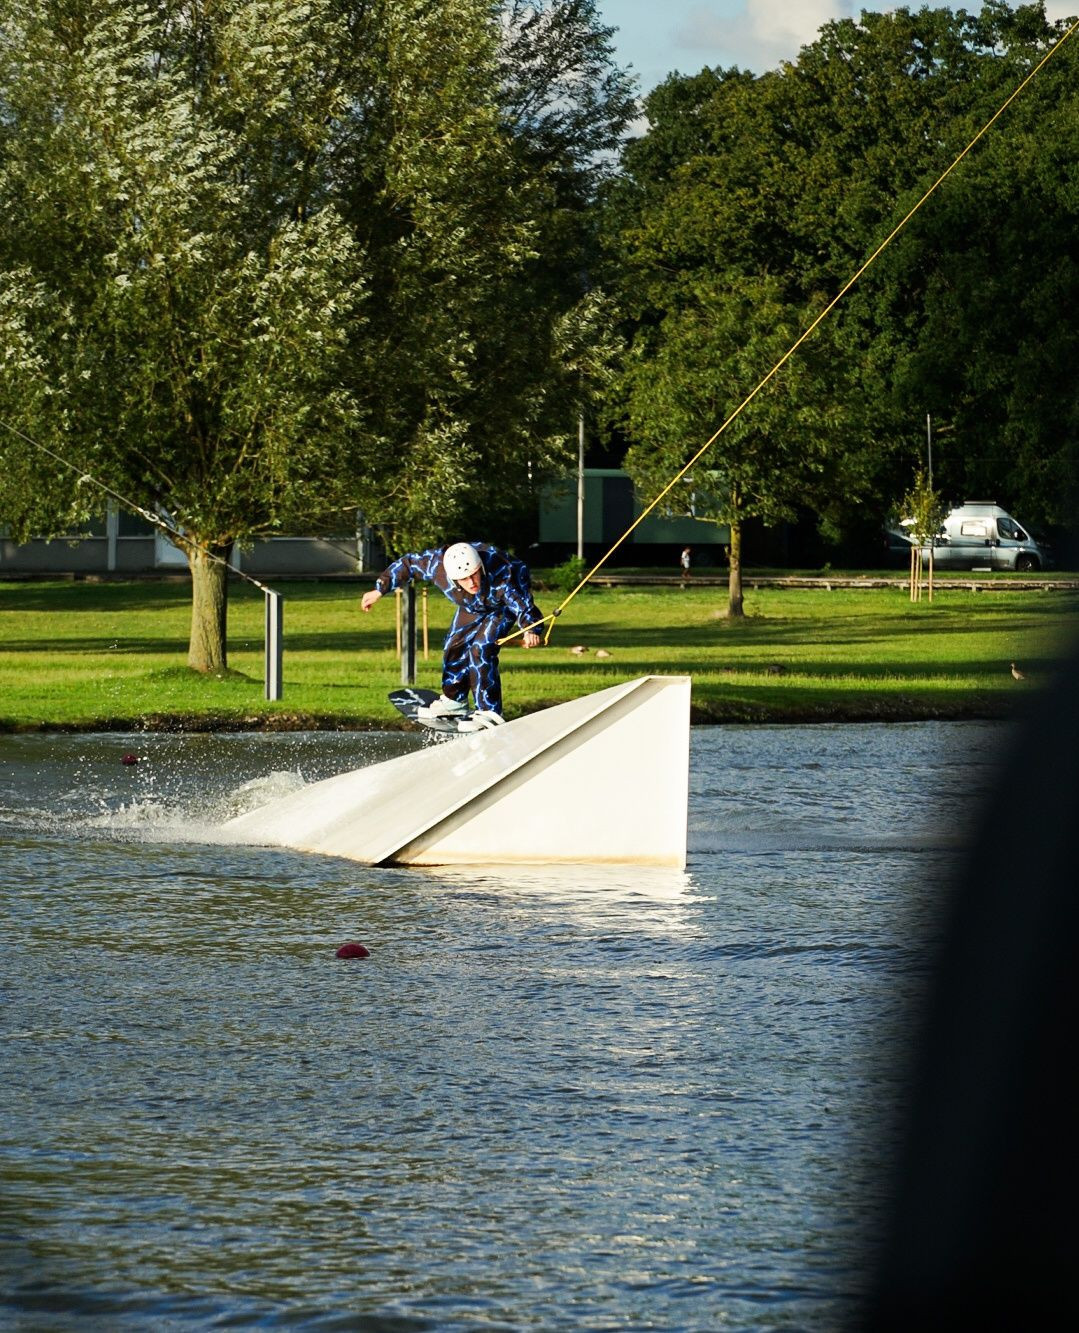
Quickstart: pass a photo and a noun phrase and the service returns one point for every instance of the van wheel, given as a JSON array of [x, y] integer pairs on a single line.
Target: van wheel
[[1026, 563]]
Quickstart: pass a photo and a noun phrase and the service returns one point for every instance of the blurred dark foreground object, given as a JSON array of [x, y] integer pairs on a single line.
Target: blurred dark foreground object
[[984, 1228]]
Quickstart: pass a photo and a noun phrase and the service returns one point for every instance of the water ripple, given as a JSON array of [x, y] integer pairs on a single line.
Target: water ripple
[[549, 1098]]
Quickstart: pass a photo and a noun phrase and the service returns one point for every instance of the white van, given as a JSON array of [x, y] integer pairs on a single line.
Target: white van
[[981, 535]]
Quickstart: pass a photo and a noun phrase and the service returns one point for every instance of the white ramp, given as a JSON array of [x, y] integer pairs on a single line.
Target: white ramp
[[603, 778]]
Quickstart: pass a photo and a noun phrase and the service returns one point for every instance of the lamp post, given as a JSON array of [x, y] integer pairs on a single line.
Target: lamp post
[[580, 486]]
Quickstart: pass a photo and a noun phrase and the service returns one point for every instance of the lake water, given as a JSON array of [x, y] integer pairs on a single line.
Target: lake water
[[569, 1098]]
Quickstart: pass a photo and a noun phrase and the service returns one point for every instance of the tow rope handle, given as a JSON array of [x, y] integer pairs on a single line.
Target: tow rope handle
[[524, 629]]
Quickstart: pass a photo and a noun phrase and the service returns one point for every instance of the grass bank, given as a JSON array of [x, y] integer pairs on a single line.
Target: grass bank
[[113, 655]]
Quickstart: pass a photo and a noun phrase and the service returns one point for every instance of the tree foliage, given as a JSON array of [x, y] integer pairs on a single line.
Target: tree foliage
[[923, 513], [688, 381], [783, 185], [265, 263]]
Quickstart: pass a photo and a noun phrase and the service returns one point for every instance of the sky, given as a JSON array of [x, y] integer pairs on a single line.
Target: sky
[[658, 37]]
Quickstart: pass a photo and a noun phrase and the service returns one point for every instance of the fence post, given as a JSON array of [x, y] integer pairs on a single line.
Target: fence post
[[408, 636], [272, 646]]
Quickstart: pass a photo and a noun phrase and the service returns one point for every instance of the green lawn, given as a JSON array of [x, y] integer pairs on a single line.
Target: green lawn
[[113, 654]]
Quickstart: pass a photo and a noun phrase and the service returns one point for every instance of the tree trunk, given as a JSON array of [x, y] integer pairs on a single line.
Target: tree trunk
[[208, 649], [734, 583]]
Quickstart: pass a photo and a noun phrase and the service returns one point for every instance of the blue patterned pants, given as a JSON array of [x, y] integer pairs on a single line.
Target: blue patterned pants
[[470, 659]]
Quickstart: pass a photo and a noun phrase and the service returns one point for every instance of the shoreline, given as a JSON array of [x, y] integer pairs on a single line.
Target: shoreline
[[706, 714]]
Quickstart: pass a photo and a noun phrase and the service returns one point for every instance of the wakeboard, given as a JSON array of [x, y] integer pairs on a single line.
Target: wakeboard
[[409, 701]]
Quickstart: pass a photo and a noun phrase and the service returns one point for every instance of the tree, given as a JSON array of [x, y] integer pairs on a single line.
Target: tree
[[994, 271], [264, 263], [795, 177], [923, 513], [179, 305], [778, 454], [565, 105]]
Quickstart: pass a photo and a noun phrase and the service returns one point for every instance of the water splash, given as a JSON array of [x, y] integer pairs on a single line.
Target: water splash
[[193, 816], [182, 787]]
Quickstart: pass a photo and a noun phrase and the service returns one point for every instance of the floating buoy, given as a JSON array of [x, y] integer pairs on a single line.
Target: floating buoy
[[130, 759], [354, 949]]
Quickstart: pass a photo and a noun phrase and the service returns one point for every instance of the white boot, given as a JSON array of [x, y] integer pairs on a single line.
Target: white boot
[[481, 721], [443, 706]]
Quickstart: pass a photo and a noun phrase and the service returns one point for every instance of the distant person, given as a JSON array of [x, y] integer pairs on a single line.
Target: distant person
[[684, 562], [490, 590]]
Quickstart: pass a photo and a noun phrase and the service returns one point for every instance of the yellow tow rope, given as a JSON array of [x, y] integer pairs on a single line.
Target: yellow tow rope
[[550, 619]]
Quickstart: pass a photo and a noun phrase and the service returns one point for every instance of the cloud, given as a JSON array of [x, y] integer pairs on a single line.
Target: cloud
[[791, 26], [761, 33]]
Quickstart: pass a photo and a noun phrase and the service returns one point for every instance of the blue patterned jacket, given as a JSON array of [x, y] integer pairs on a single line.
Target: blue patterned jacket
[[506, 587]]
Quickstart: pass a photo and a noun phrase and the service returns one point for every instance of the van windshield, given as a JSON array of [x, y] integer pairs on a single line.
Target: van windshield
[[1011, 530]]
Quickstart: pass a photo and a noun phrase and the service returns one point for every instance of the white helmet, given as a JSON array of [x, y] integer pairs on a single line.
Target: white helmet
[[460, 560]]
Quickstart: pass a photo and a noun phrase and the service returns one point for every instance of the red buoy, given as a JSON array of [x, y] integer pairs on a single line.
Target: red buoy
[[354, 949], [130, 759]]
